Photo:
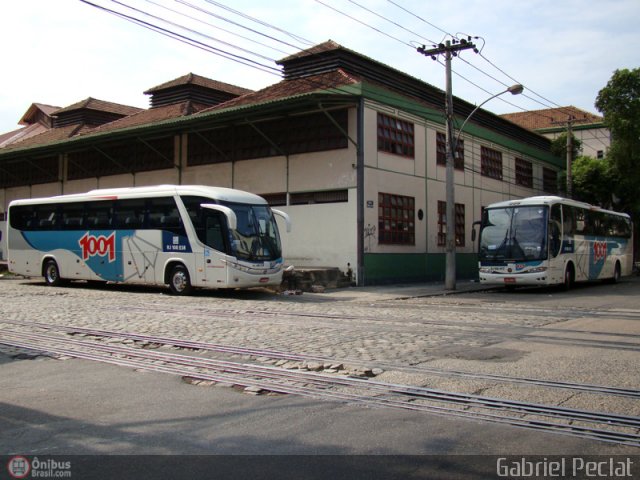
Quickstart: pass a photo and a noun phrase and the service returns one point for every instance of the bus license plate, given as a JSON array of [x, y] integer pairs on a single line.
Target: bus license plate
[[509, 280]]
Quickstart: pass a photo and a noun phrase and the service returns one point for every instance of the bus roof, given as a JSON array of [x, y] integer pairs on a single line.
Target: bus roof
[[216, 193], [551, 200]]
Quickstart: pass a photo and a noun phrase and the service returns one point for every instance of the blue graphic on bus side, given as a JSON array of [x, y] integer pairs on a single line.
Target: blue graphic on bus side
[[100, 250], [599, 250]]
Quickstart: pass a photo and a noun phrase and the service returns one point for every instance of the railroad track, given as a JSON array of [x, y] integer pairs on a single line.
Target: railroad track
[[297, 357], [606, 427]]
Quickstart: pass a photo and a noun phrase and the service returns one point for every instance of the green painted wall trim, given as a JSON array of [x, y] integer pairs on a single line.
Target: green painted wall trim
[[385, 268]]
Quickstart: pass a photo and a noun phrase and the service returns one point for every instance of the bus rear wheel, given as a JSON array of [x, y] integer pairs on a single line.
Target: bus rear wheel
[[617, 273], [179, 281], [569, 278], [52, 273]]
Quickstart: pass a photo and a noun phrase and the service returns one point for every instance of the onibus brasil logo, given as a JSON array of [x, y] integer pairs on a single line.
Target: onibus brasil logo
[[21, 467]]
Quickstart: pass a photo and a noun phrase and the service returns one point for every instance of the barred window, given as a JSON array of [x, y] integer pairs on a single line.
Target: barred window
[[325, 196], [549, 180], [441, 152], [442, 224], [396, 219], [524, 173], [491, 163], [395, 136]]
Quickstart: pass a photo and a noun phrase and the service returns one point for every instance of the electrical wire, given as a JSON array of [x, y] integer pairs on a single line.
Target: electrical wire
[[363, 23], [230, 32], [189, 41]]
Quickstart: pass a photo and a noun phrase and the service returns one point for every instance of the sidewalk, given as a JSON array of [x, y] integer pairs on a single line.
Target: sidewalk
[[399, 291]]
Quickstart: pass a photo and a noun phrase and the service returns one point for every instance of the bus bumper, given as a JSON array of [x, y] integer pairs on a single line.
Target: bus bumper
[[515, 279]]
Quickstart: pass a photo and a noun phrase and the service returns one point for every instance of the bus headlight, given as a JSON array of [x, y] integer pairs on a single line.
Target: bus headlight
[[537, 270]]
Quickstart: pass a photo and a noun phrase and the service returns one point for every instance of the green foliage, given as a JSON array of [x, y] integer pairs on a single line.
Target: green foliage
[[593, 181], [559, 146], [619, 102]]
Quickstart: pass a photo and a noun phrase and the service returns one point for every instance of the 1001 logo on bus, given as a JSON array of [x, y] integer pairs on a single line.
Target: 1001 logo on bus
[[599, 251], [101, 246]]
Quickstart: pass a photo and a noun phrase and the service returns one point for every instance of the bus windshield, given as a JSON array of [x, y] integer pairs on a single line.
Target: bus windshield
[[514, 234], [256, 237]]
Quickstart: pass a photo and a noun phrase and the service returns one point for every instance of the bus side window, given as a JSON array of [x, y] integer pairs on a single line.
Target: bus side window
[[72, 216], [130, 214], [99, 215], [555, 221], [568, 222]]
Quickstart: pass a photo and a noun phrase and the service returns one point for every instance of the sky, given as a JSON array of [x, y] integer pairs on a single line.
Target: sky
[[59, 52]]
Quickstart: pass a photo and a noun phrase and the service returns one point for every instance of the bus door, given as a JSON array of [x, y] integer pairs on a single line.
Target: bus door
[[216, 245], [556, 265]]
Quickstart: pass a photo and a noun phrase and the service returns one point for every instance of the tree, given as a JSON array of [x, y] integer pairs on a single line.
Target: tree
[[619, 102], [593, 181], [559, 146]]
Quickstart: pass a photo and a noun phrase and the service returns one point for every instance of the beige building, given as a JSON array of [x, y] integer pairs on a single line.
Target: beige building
[[552, 122], [350, 148]]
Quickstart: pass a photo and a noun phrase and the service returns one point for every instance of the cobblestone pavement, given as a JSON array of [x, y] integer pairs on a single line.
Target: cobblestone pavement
[[475, 332]]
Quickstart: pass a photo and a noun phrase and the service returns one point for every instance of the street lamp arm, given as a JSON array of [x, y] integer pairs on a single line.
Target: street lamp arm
[[513, 89]]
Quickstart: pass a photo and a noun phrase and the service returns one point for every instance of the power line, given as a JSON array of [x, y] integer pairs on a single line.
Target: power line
[[232, 22], [155, 17], [188, 41], [261, 22], [363, 23], [217, 27]]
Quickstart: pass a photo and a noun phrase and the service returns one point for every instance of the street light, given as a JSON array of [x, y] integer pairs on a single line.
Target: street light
[[452, 146]]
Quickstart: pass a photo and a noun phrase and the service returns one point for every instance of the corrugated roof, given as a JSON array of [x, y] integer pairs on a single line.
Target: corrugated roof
[[551, 117], [150, 116], [21, 134], [99, 105], [290, 88], [49, 136], [193, 79]]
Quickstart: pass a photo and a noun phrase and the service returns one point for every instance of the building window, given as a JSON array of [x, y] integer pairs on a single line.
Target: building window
[[396, 219], [442, 224], [275, 199], [524, 173], [550, 180], [395, 136], [491, 163], [600, 154], [441, 152], [325, 196]]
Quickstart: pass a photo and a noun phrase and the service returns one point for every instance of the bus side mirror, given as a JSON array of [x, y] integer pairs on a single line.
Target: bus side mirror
[[287, 219], [232, 220], [473, 230]]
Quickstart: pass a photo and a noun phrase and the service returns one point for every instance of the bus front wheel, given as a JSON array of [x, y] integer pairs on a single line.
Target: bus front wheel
[[52, 273], [179, 281]]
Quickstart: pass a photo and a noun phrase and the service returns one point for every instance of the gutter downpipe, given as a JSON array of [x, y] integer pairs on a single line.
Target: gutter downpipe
[[360, 193]]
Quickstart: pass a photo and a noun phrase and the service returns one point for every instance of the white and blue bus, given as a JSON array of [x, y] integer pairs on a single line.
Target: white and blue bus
[[550, 240], [183, 236]]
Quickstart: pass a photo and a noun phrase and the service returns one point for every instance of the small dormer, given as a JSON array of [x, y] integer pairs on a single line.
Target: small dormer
[[91, 112], [38, 113], [195, 88]]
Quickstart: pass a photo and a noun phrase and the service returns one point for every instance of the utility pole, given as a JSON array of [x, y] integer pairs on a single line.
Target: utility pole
[[569, 157], [449, 49], [569, 123]]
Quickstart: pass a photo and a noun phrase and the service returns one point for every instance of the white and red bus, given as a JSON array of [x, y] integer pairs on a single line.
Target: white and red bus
[[183, 236], [549, 240]]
